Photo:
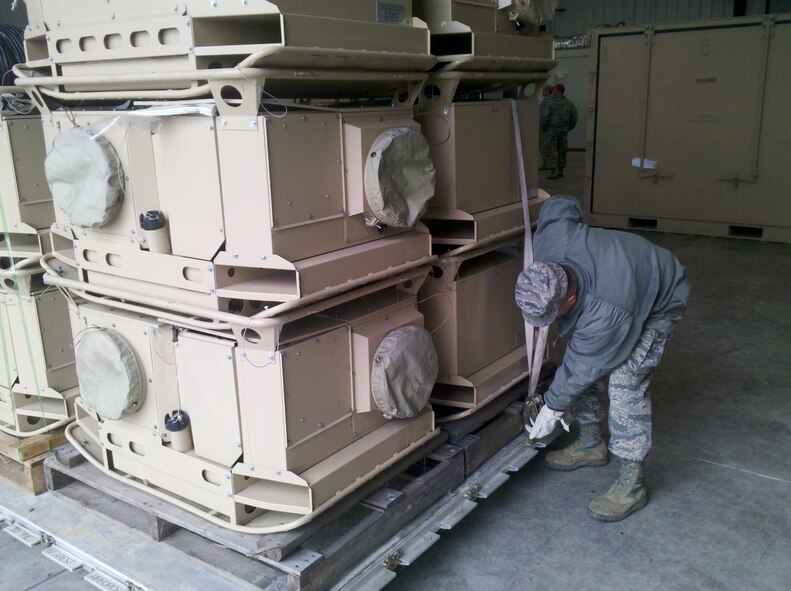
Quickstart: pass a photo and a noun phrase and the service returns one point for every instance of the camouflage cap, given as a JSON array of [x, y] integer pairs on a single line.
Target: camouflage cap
[[540, 290]]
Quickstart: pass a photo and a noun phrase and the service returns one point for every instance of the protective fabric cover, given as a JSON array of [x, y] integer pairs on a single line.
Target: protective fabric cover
[[403, 371], [86, 178], [538, 12], [109, 375], [399, 177]]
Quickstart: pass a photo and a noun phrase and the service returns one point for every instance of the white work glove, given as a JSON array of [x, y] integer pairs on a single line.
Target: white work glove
[[545, 423]]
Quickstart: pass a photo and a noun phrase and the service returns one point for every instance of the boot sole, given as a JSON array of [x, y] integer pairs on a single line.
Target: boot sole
[[583, 464], [614, 518]]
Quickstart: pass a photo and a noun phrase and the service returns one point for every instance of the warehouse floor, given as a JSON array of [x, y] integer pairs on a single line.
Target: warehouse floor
[[719, 473]]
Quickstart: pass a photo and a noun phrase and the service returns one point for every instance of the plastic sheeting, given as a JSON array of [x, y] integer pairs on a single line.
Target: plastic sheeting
[[85, 176]]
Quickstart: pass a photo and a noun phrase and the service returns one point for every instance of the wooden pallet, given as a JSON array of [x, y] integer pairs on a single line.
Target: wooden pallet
[[320, 553], [28, 474], [22, 459], [20, 449]]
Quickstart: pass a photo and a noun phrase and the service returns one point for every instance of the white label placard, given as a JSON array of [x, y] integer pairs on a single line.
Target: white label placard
[[64, 559], [24, 535], [102, 581]]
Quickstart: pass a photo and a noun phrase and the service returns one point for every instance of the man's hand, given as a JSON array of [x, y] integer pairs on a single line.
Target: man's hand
[[545, 423]]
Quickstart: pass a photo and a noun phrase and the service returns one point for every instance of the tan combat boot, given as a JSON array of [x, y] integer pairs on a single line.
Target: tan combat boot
[[588, 449], [626, 495], [553, 174]]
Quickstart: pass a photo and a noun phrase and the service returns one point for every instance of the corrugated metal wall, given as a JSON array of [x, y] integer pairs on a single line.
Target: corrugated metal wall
[[578, 16]]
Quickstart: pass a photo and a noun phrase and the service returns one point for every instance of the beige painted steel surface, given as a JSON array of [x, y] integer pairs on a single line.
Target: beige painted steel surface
[[474, 151], [26, 200], [697, 137], [468, 302], [480, 35], [286, 408], [77, 38], [37, 377], [261, 231]]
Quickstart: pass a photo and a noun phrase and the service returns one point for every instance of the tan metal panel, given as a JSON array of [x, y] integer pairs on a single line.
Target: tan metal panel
[[141, 453], [207, 392], [314, 404], [133, 144], [188, 179], [311, 142], [26, 142], [261, 408], [8, 373], [56, 341], [130, 262], [490, 321], [26, 331], [154, 352], [245, 190]]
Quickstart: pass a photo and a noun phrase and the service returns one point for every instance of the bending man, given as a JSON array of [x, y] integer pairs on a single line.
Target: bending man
[[622, 297]]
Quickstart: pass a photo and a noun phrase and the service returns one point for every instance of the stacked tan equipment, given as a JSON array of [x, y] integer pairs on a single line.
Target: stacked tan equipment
[[689, 128], [485, 148], [37, 379], [249, 346]]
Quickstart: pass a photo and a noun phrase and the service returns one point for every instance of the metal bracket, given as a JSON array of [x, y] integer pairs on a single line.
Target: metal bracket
[[655, 176], [736, 179]]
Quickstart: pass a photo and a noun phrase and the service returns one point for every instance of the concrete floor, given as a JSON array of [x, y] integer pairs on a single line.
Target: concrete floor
[[719, 473]]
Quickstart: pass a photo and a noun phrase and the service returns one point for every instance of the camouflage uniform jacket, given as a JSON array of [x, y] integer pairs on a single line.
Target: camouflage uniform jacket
[[560, 116], [623, 281]]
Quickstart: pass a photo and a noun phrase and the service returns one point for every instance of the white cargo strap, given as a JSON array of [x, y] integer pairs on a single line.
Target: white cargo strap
[[535, 346]]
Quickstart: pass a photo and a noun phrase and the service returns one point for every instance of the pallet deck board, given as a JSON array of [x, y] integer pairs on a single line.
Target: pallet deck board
[[27, 474], [20, 449]]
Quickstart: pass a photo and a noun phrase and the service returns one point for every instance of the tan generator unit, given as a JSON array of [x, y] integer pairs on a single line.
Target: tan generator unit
[[690, 130], [255, 423], [94, 38], [237, 220], [37, 377]]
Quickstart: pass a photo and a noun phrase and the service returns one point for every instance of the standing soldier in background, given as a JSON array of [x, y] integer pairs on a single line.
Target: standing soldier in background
[[544, 145], [557, 121]]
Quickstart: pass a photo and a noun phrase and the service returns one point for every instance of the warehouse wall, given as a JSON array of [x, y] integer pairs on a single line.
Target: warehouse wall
[[578, 16]]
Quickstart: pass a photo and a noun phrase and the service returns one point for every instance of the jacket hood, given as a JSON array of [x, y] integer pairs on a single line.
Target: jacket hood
[[564, 215]]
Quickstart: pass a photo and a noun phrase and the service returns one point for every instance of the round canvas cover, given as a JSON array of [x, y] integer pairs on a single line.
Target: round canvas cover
[[110, 378], [403, 371], [538, 12], [86, 178], [399, 177]]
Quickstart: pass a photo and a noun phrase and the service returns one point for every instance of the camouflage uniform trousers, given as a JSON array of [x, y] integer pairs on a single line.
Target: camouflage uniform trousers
[[630, 399], [544, 148], [557, 147]]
